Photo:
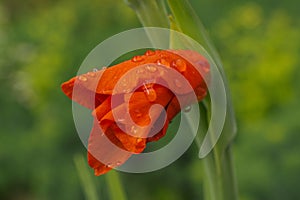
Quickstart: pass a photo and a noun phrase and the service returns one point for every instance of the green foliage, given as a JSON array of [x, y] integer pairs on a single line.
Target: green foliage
[[260, 51], [42, 43], [115, 188]]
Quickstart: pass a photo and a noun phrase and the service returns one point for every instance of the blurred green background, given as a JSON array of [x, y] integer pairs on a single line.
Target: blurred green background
[[42, 44]]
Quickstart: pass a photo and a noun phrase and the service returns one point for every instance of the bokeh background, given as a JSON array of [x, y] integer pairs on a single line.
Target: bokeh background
[[42, 44]]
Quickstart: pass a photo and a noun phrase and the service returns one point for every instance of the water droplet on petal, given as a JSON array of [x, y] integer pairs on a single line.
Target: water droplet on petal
[[109, 165], [177, 83], [179, 64], [149, 53], [133, 130], [206, 69], [204, 65], [201, 93], [118, 163], [98, 171], [124, 82], [161, 72], [126, 90], [95, 69], [139, 140], [120, 119], [82, 78], [187, 109], [140, 70], [123, 86], [151, 94], [163, 62], [91, 74], [137, 58], [104, 68], [138, 113], [151, 68]]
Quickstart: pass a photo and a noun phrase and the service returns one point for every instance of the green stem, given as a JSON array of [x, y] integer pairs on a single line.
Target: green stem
[[189, 23], [86, 180], [220, 182], [151, 13], [115, 188]]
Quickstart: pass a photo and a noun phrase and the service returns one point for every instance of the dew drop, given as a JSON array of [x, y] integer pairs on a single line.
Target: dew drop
[[133, 130], [97, 171], [163, 62], [118, 163], [206, 68], [95, 69], [82, 78], [140, 70], [124, 86], [137, 58], [104, 68], [109, 165], [120, 120], [149, 91], [187, 109], [126, 90], [124, 83], [204, 65], [151, 94], [138, 113], [201, 93], [179, 64], [177, 83], [139, 140], [151, 68], [149, 83], [161, 72], [91, 74], [149, 53]]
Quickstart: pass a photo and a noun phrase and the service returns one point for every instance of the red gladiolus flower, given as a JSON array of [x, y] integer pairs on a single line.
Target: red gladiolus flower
[[122, 97]]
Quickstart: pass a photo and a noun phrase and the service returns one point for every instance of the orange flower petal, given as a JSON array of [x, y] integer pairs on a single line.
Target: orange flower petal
[[81, 94], [99, 167], [105, 151], [138, 122], [92, 88], [171, 59], [174, 108], [110, 144]]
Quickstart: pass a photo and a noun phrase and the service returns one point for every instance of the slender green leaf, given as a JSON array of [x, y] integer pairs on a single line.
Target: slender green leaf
[[151, 14], [115, 188], [189, 23], [86, 178], [220, 183]]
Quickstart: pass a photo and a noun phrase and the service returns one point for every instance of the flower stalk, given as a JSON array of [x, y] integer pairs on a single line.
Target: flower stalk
[[220, 180], [151, 14]]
